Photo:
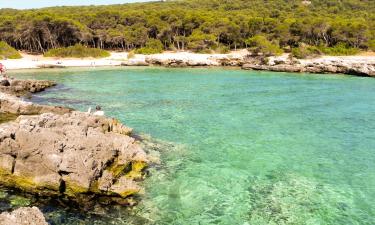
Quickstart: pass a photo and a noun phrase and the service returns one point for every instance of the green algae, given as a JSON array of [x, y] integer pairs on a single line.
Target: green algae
[[117, 169], [136, 171], [3, 194], [26, 184], [128, 192], [18, 201], [6, 117], [73, 189]]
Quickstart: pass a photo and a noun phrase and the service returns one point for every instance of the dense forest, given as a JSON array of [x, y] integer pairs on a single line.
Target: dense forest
[[193, 24]]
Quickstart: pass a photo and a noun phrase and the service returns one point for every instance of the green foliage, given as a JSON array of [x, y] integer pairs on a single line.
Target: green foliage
[[153, 46], [3, 194], [371, 45], [200, 41], [77, 51], [260, 44], [305, 51], [339, 49], [7, 52], [18, 201], [222, 49], [192, 24]]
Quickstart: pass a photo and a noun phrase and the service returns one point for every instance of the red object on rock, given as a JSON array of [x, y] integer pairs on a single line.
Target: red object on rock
[[2, 68]]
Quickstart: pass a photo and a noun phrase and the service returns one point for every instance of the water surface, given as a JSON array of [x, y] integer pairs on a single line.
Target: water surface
[[244, 147]]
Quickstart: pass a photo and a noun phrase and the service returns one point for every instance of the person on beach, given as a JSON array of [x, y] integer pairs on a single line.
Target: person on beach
[[98, 112], [2, 68]]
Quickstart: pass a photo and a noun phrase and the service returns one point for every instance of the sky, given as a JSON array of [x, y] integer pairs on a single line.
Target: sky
[[28, 4]]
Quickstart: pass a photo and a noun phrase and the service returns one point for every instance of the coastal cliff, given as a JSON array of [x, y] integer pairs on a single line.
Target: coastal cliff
[[57, 152]]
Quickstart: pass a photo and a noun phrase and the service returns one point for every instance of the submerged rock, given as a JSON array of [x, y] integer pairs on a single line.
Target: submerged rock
[[13, 105], [23, 216], [75, 155]]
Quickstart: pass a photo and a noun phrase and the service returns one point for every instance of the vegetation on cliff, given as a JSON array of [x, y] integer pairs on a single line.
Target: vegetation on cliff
[[7, 52], [193, 24]]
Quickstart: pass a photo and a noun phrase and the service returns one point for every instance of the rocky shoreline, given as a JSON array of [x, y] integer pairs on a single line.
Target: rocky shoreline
[[60, 153], [353, 65], [343, 65]]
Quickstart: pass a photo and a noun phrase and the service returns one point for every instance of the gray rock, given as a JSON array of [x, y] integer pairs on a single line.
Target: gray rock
[[22, 87], [72, 154], [23, 216], [17, 106]]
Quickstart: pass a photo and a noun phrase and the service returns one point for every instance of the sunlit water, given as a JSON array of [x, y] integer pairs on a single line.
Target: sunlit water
[[243, 147]]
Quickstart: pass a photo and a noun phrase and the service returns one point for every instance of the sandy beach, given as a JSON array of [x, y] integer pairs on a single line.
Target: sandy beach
[[363, 64], [29, 61]]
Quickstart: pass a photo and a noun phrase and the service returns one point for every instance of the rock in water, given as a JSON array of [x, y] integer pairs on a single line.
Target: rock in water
[[22, 87], [23, 216], [75, 155]]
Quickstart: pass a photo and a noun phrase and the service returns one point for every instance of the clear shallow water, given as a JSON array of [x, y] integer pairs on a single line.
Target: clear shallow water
[[248, 147]]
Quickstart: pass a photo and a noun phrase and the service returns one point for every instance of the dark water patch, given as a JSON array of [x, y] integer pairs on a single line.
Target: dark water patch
[[59, 101], [45, 98]]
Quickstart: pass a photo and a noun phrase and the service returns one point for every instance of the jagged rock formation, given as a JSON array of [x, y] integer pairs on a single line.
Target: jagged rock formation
[[75, 155], [22, 87], [55, 151], [23, 216]]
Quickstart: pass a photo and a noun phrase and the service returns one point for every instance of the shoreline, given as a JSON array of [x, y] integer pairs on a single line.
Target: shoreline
[[360, 65], [115, 162]]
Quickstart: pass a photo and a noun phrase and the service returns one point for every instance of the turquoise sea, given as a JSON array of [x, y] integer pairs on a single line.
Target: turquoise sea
[[238, 147]]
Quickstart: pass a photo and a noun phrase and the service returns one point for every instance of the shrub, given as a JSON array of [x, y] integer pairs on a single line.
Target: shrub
[[222, 49], [305, 51], [77, 51], [260, 44], [153, 46], [371, 45], [7, 52], [339, 49]]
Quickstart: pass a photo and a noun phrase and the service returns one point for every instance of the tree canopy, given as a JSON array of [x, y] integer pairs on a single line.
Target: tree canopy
[[193, 24]]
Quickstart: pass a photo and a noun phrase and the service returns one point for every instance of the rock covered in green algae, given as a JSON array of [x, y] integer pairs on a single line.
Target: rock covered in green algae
[[23, 216], [72, 155], [5, 117], [17, 201]]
